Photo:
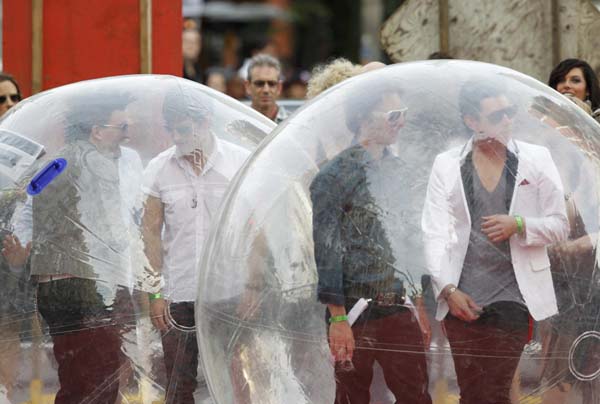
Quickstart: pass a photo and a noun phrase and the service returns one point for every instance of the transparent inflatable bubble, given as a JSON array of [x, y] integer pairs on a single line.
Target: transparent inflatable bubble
[[392, 198], [108, 188]]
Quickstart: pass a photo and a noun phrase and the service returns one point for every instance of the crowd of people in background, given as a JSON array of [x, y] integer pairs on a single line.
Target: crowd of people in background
[[299, 84], [232, 80]]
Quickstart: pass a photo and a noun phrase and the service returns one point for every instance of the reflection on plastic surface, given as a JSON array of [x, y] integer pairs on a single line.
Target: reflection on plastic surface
[[461, 198], [78, 264]]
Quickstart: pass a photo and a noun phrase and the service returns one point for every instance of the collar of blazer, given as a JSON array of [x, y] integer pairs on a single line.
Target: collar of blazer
[[511, 146]]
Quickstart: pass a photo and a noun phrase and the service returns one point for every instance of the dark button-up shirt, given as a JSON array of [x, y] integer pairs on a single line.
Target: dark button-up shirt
[[353, 255]]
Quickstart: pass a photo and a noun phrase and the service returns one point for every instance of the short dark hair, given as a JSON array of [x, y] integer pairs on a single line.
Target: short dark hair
[[474, 91], [559, 73], [91, 108], [186, 103], [262, 59], [364, 98], [9, 77]]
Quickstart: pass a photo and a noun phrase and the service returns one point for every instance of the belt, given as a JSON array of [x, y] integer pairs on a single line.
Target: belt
[[389, 299]]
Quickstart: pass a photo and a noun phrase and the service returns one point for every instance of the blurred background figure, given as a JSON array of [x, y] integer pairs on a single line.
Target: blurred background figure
[[260, 47], [191, 45], [264, 86], [236, 87], [10, 94], [576, 79], [327, 75], [216, 79], [296, 86], [574, 259]]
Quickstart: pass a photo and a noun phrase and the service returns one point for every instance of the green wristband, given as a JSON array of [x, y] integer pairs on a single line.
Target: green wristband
[[338, 319], [519, 220], [154, 296]]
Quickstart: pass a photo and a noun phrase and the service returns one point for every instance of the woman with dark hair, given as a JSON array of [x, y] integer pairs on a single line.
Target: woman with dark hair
[[10, 94], [576, 79], [573, 261]]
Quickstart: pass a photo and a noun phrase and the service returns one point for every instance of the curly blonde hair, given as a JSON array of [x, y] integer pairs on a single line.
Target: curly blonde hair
[[327, 75]]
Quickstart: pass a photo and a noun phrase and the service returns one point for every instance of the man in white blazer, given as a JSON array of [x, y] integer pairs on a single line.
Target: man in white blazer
[[493, 206]]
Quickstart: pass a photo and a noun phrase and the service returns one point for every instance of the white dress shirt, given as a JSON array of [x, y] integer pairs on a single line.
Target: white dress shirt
[[190, 202]]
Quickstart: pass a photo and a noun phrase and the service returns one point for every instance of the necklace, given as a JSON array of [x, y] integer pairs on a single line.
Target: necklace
[[197, 157]]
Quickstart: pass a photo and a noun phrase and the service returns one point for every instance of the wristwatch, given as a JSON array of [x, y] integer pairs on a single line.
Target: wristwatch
[[449, 291]]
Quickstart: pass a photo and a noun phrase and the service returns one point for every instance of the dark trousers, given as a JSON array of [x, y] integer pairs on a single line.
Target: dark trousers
[[396, 343], [486, 352], [86, 340], [180, 350]]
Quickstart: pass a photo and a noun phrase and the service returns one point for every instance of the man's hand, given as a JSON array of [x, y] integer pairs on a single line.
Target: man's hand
[[580, 246], [463, 307], [499, 227], [341, 341], [16, 255], [158, 316]]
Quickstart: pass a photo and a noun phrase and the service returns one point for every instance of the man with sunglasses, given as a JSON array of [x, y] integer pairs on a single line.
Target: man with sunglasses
[[264, 86], [10, 94], [183, 188], [493, 206], [80, 247], [355, 198]]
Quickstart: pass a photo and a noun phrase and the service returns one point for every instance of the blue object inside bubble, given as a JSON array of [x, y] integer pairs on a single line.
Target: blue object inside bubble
[[46, 176]]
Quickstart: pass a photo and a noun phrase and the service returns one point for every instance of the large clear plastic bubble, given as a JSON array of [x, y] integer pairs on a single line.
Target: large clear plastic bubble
[[411, 188], [148, 159]]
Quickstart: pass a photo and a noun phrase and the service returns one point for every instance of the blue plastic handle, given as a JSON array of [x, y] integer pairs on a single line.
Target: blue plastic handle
[[46, 176]]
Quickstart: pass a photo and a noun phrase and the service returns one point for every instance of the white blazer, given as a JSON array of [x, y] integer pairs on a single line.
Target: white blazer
[[538, 197]]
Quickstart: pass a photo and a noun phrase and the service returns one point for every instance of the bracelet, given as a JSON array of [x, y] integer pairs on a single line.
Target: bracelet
[[338, 319], [154, 296], [519, 220], [449, 291]]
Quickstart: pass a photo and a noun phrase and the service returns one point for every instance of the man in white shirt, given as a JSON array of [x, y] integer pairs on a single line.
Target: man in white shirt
[[184, 187]]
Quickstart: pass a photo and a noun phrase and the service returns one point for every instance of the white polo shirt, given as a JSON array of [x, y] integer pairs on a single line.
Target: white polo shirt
[[190, 202]]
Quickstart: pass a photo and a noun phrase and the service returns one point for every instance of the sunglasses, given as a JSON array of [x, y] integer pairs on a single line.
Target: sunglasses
[[261, 83], [13, 97], [495, 117], [395, 114], [124, 127]]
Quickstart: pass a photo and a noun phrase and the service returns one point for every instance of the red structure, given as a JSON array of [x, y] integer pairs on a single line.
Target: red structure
[[54, 42]]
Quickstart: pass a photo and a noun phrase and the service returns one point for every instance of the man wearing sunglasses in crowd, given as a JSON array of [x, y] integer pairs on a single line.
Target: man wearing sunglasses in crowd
[[183, 188], [264, 86], [493, 206], [354, 197], [10, 94]]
